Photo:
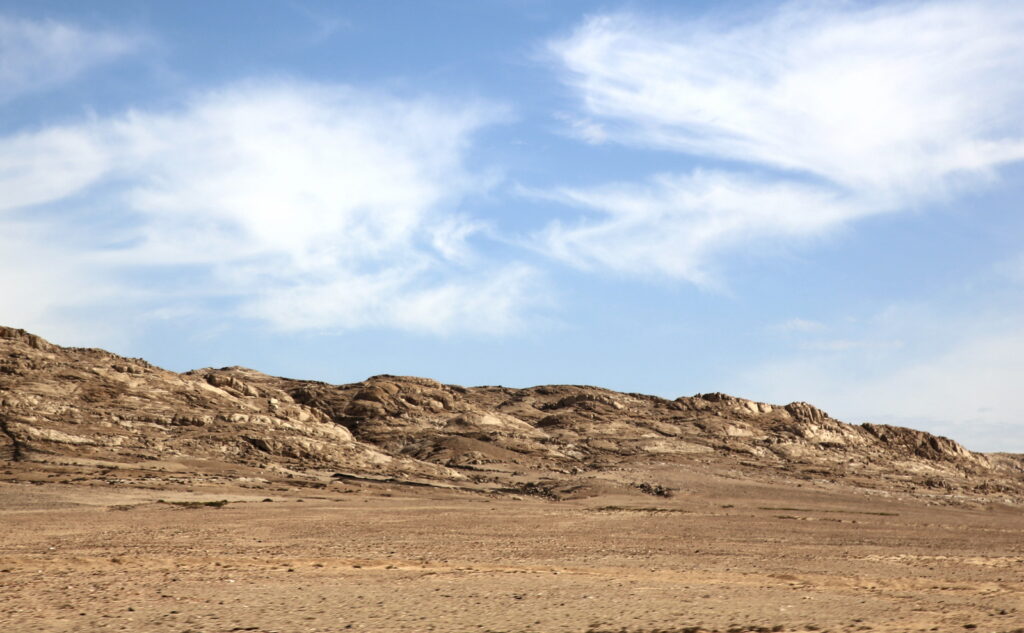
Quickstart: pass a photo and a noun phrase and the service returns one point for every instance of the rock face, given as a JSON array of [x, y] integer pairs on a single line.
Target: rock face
[[89, 406]]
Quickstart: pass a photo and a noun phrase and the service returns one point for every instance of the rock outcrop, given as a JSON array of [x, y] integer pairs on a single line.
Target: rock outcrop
[[89, 406]]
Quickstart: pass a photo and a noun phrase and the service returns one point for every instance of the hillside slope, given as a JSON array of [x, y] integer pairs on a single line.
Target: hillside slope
[[126, 421]]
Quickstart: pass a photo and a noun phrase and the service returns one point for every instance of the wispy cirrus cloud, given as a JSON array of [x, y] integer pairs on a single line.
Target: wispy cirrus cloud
[[300, 205], [884, 108], [37, 54], [673, 224]]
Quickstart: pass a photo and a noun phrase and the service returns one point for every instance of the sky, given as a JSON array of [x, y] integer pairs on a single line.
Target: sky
[[786, 201]]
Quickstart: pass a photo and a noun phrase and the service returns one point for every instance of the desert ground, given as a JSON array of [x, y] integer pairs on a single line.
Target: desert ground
[[137, 499], [723, 554]]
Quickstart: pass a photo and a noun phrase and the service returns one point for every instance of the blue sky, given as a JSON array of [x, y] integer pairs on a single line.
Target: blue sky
[[813, 201]]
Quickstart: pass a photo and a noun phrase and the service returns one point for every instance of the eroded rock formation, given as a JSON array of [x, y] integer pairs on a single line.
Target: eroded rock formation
[[93, 407]]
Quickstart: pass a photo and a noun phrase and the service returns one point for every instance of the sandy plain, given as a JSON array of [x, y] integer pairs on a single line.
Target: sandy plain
[[723, 554]]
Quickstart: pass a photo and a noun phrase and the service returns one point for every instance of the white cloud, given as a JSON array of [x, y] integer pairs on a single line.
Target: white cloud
[[305, 206], [896, 97], [797, 324], [674, 223], [488, 303], [39, 54], [49, 165], [882, 108]]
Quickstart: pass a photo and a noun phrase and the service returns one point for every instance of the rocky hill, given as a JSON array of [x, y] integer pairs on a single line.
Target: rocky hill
[[124, 421]]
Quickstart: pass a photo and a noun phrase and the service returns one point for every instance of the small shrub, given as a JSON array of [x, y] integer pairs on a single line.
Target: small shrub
[[194, 505], [656, 490]]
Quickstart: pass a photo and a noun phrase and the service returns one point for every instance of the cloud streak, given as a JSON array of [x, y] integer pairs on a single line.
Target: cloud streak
[[674, 224], [883, 109], [38, 54]]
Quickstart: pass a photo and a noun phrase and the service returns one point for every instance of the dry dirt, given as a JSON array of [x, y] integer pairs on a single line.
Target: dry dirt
[[138, 499], [723, 554]]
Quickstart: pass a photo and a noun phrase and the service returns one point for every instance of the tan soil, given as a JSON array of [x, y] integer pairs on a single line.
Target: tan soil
[[725, 554]]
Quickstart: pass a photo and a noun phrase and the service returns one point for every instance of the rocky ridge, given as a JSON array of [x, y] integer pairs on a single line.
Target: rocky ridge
[[130, 420]]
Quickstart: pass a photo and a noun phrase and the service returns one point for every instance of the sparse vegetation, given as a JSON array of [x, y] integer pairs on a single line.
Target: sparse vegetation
[[782, 509], [534, 489], [195, 505], [656, 490], [639, 509]]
